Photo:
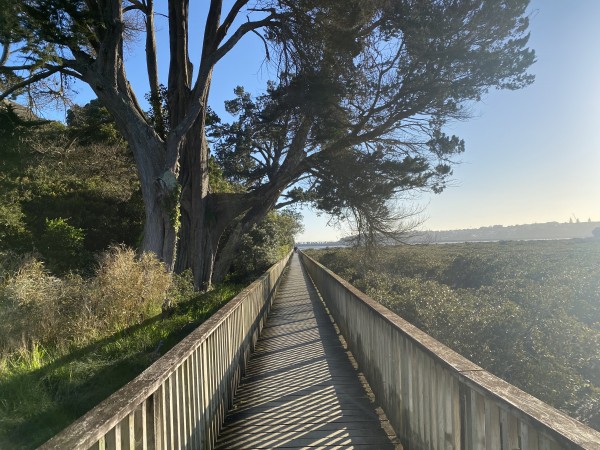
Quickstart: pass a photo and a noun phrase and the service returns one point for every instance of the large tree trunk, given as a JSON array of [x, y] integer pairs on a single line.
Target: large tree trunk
[[256, 206], [195, 243], [157, 179], [107, 77], [159, 236], [202, 221], [161, 207]]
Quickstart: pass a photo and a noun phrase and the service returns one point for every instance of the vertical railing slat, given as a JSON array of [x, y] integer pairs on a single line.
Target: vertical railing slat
[[117, 437], [187, 397], [141, 427], [510, 433], [444, 400], [492, 425]]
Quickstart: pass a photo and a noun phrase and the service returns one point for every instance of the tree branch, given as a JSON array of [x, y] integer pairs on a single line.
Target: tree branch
[[37, 77], [267, 54], [5, 53], [208, 60], [136, 4], [211, 28], [110, 51], [72, 73], [284, 204], [239, 34], [296, 152], [152, 67], [233, 12], [13, 68]]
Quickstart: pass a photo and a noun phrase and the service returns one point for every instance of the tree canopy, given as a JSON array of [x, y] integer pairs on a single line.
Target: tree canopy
[[357, 113]]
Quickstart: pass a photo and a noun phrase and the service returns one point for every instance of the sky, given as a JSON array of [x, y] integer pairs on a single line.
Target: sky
[[532, 155]]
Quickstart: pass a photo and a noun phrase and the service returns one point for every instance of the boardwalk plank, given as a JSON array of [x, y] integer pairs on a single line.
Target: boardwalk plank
[[302, 388]]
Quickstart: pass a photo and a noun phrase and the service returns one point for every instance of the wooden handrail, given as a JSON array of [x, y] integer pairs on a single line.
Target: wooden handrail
[[434, 397], [181, 400]]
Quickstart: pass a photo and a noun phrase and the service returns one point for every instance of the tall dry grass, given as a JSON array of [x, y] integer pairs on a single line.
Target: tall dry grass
[[38, 308]]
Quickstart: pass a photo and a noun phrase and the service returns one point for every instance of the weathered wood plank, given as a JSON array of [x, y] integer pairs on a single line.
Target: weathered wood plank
[[492, 426], [141, 430], [300, 388]]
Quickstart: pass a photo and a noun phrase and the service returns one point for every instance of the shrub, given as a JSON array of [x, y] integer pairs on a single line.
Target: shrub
[[36, 307], [28, 306], [62, 246], [129, 288], [266, 243]]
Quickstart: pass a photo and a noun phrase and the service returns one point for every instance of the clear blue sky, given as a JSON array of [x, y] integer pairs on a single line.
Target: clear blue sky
[[531, 155]]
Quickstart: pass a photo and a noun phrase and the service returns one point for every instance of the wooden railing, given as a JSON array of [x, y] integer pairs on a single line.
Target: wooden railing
[[435, 398], [180, 401]]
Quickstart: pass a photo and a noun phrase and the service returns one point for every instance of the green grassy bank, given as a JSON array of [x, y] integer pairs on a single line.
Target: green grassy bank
[[57, 362]]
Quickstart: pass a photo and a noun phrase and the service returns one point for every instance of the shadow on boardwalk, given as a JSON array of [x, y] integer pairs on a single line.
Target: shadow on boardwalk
[[302, 388]]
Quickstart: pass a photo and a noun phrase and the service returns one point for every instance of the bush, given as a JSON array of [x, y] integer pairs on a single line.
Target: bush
[[62, 246], [28, 306], [129, 288], [266, 243], [36, 307], [46, 176]]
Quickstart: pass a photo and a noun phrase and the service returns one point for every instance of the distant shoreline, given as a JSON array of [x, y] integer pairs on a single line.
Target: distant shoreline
[[497, 233], [528, 232]]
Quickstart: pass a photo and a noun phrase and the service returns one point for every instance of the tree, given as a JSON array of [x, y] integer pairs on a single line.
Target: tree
[[363, 82], [66, 192], [266, 243], [92, 123]]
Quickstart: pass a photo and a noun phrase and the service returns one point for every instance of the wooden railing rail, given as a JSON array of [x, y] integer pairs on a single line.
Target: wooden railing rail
[[435, 398], [180, 401]]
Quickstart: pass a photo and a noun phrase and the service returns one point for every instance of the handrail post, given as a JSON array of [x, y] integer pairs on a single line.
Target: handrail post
[[182, 398], [479, 410]]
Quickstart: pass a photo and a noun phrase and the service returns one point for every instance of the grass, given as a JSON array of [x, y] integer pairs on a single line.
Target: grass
[[43, 390]]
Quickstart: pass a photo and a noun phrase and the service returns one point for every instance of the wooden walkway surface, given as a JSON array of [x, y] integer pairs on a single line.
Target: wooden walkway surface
[[302, 388]]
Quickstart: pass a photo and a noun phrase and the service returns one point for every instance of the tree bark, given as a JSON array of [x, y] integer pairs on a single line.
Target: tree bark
[[152, 67], [160, 204], [197, 242], [158, 184], [251, 209], [193, 178]]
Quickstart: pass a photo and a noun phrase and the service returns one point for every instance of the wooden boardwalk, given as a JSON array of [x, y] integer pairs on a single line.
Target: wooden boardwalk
[[302, 388]]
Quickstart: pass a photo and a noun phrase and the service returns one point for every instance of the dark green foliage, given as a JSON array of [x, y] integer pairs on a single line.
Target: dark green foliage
[[92, 124], [62, 246], [105, 220], [266, 243], [527, 311], [65, 199], [357, 118], [159, 111], [236, 142]]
